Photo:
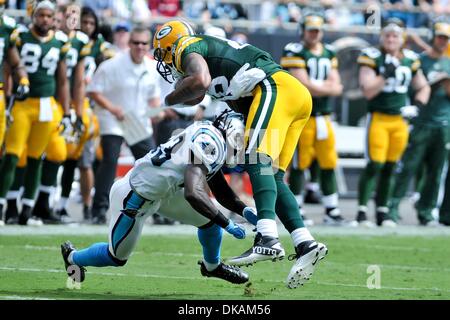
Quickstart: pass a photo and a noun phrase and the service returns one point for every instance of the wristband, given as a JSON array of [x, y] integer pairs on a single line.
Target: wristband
[[221, 220]]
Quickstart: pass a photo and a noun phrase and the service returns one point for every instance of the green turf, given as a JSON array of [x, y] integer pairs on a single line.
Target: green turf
[[164, 267]]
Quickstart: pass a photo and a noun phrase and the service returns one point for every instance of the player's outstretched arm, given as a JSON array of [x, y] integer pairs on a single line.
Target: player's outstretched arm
[[193, 86], [224, 194], [197, 196]]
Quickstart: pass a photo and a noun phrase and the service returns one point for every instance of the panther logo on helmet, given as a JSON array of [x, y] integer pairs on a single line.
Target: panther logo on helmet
[[232, 126], [163, 42]]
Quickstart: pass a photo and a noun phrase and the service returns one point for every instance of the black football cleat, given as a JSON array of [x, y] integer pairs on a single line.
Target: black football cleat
[[226, 272], [66, 248], [264, 248]]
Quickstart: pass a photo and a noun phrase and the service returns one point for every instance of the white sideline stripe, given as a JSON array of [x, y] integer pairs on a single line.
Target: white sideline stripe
[[81, 230], [203, 278], [382, 287], [394, 266], [16, 297]]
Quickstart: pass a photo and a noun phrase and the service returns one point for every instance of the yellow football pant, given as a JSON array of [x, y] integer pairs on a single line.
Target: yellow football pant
[[280, 109], [310, 148], [2, 117], [27, 130], [387, 137], [56, 150]]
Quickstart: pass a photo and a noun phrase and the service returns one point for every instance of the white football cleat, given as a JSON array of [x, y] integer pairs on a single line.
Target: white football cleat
[[264, 248], [308, 254]]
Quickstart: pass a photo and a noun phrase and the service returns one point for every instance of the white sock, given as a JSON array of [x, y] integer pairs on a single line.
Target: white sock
[[209, 266], [312, 186], [299, 198], [330, 201], [267, 227], [362, 208], [47, 189], [383, 209], [15, 194], [62, 203], [28, 202], [300, 235]]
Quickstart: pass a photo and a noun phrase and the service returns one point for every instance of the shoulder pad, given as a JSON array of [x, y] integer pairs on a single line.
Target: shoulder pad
[[83, 37], [9, 22], [294, 47], [61, 36], [371, 52], [410, 54]]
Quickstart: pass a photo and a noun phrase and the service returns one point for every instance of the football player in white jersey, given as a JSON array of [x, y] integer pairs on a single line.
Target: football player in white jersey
[[171, 179]]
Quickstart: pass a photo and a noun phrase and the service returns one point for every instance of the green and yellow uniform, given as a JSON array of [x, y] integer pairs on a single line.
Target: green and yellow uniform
[[428, 147], [271, 128], [314, 143], [57, 151], [97, 51], [36, 117], [387, 131], [7, 26], [275, 116]]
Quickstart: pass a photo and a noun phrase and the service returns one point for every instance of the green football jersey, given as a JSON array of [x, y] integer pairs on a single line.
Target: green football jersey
[[100, 49], [437, 111], [7, 26], [395, 92], [318, 67], [40, 56], [78, 51], [224, 58]]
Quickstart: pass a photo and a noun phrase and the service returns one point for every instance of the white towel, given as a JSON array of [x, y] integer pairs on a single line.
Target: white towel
[[45, 110], [321, 128], [134, 129]]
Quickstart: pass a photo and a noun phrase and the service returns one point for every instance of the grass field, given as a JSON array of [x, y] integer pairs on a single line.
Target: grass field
[[413, 266]]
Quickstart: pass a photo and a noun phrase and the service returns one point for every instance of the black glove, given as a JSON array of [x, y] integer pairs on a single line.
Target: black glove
[[79, 126], [388, 70], [23, 90]]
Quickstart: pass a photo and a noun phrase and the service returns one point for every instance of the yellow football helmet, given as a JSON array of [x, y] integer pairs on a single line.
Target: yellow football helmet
[[163, 42]]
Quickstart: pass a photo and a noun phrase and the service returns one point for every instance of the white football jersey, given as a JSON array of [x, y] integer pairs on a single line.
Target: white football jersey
[[161, 172]]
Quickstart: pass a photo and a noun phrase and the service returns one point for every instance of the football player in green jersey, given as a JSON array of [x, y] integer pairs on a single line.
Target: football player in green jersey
[[10, 56], [315, 65], [57, 151], [43, 53], [10, 59], [429, 136], [384, 76], [82, 154], [276, 107]]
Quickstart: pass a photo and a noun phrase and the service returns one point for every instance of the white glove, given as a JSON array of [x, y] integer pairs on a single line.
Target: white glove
[[243, 82], [409, 112]]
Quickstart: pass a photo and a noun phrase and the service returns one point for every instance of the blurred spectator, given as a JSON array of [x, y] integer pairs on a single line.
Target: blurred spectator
[[123, 88], [194, 9], [121, 37], [401, 9], [102, 8], [166, 8], [239, 37], [136, 10], [231, 11]]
